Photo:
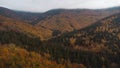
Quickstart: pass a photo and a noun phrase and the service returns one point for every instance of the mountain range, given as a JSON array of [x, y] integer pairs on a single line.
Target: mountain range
[[64, 38], [58, 21]]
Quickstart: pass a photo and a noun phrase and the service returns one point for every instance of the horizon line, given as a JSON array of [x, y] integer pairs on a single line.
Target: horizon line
[[60, 9]]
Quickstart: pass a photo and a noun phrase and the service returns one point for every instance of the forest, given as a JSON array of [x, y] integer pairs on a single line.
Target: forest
[[60, 38]]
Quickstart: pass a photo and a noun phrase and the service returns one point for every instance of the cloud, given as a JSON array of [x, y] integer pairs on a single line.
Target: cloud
[[44, 5]]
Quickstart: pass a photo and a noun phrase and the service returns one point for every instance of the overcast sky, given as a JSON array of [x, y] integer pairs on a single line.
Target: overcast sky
[[44, 5]]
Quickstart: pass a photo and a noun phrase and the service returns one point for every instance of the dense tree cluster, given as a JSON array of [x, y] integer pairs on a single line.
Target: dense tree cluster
[[15, 57], [61, 54]]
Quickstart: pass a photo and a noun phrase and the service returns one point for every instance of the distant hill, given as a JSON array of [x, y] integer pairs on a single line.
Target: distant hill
[[19, 15], [67, 20]]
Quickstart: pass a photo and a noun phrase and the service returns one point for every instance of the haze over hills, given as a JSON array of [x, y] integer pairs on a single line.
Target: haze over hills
[[19, 15], [66, 38]]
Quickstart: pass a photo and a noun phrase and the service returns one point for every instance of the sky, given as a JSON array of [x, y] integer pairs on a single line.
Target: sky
[[45, 5]]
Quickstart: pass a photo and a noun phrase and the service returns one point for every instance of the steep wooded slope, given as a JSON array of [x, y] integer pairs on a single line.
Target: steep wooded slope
[[105, 32], [95, 46]]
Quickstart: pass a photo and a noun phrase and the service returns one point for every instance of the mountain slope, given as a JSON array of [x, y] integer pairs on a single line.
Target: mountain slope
[[70, 20], [105, 32], [95, 46], [20, 26]]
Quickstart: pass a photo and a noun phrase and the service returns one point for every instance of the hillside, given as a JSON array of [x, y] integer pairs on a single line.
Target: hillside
[[70, 20], [99, 41], [103, 32], [20, 26], [15, 46]]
